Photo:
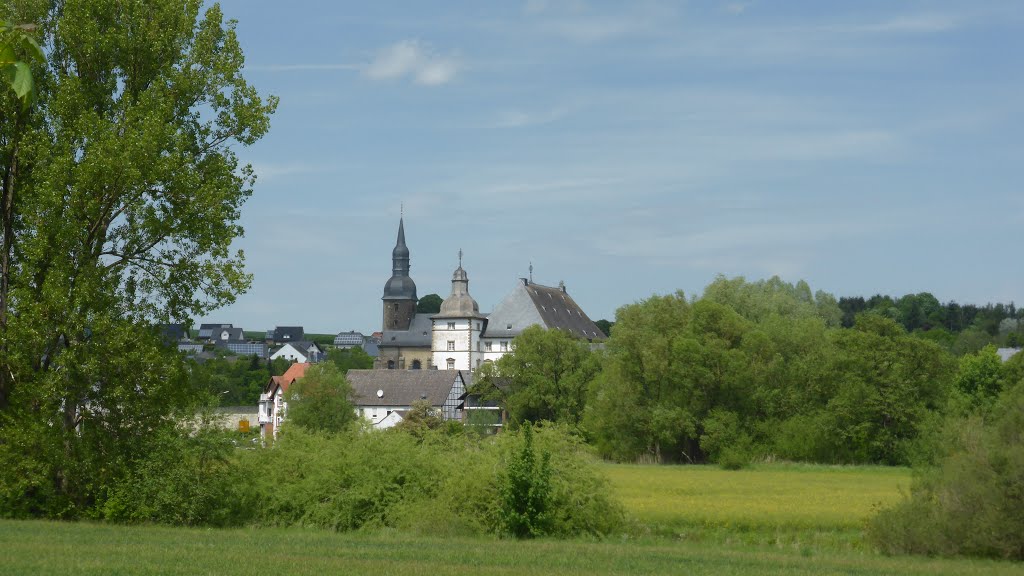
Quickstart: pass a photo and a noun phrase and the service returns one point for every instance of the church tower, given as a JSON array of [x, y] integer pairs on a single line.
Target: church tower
[[400, 291], [455, 341]]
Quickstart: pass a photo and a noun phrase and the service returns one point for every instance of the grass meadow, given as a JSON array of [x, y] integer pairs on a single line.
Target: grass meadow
[[773, 519]]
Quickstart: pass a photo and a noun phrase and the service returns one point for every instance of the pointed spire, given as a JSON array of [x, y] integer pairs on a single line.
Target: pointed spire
[[400, 286], [401, 250]]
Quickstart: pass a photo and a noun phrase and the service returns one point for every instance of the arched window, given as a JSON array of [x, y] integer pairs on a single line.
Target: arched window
[[391, 364], [451, 363], [416, 364]]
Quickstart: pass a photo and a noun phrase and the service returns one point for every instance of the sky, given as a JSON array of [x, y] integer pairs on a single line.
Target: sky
[[630, 149]]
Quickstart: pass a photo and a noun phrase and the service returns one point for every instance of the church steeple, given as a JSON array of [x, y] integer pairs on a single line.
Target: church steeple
[[400, 255], [400, 291]]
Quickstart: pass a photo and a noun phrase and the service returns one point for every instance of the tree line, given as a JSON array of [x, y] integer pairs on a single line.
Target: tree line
[[749, 370]]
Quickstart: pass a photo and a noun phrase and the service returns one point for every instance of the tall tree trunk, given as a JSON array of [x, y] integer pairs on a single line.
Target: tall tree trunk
[[6, 253]]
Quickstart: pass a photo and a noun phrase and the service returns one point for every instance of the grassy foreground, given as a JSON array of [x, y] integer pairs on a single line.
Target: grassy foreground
[[36, 547], [774, 519]]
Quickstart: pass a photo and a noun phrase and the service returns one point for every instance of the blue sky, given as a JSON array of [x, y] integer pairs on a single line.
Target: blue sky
[[631, 148]]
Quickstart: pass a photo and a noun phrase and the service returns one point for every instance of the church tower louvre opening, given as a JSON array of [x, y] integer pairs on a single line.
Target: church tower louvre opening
[[400, 291]]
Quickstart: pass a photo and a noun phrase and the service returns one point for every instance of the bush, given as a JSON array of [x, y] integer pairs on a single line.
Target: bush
[[434, 482], [972, 502], [525, 489], [184, 480]]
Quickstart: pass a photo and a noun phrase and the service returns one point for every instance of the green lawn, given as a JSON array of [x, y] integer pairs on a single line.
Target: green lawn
[[57, 548], [775, 519]]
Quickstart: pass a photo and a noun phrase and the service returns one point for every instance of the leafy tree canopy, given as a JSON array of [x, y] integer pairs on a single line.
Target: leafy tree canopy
[[429, 304], [321, 400], [121, 193]]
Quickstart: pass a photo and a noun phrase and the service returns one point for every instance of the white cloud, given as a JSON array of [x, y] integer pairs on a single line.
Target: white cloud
[[412, 59]]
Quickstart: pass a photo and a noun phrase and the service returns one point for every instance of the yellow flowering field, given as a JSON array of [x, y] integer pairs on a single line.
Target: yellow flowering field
[[768, 497]]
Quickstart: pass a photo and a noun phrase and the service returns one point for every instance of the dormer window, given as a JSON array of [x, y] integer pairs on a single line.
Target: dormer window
[[508, 327]]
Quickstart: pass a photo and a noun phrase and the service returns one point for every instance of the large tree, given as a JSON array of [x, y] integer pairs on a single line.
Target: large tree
[[545, 377], [121, 197]]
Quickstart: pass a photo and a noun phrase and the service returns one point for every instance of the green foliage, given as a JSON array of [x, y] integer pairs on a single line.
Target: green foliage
[[120, 202], [16, 43], [232, 380], [350, 359], [421, 418], [547, 376], [525, 490], [980, 375], [972, 502], [182, 479], [438, 483], [429, 304], [762, 369], [724, 440], [321, 400]]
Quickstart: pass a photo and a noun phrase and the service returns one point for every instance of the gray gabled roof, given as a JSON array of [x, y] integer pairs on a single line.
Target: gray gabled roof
[[529, 304], [401, 387], [288, 333], [206, 330]]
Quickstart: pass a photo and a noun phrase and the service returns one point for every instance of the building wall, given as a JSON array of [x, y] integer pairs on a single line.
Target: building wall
[[403, 357], [398, 314], [288, 353], [464, 336]]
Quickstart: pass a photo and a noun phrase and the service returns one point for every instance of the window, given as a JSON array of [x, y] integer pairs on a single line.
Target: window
[[477, 326], [416, 365], [451, 345], [391, 364], [508, 327], [479, 346], [477, 362], [488, 346], [504, 346], [451, 364], [451, 325]]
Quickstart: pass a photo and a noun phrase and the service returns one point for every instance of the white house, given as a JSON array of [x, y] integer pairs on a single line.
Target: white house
[[301, 352], [272, 406], [380, 396]]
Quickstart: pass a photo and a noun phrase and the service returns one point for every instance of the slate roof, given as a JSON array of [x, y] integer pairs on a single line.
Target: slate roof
[[288, 333], [174, 332], [530, 304], [401, 387], [234, 334], [418, 334], [206, 330]]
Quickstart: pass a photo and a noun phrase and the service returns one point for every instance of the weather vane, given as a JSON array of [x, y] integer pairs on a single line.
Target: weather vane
[[460, 257], [531, 272]]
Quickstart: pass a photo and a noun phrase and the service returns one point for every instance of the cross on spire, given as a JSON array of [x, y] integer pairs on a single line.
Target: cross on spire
[[460, 257]]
